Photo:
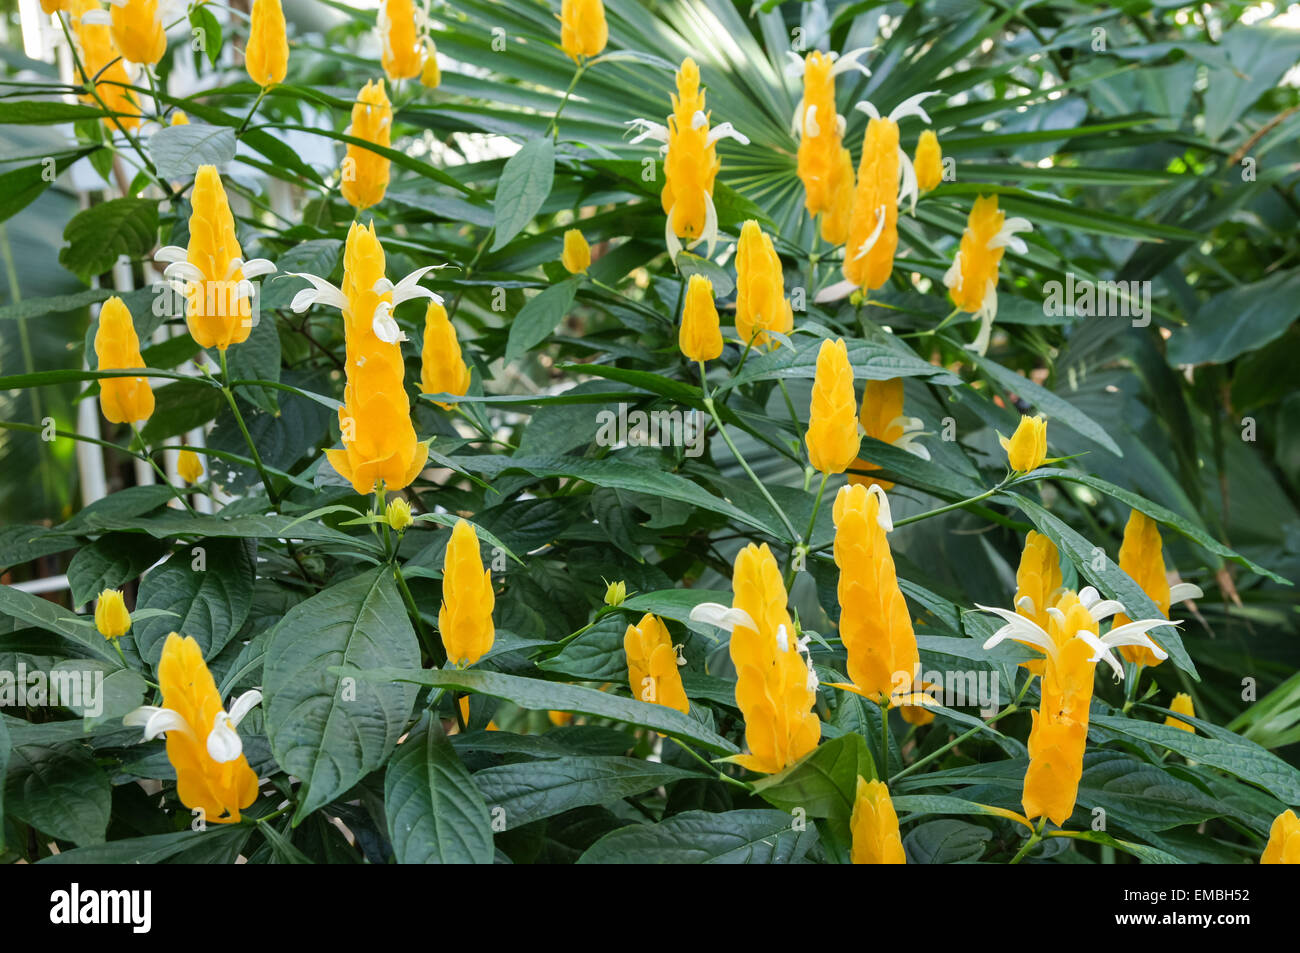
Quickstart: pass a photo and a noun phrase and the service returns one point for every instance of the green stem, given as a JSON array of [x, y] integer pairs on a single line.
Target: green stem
[[884, 736], [430, 644], [1034, 838], [805, 546], [713, 769], [554, 128], [261, 94], [146, 455], [951, 506], [722, 432], [243, 428]]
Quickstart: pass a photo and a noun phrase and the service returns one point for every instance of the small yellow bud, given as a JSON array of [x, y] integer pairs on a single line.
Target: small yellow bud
[[577, 253], [398, 514], [189, 466], [430, 75], [111, 618], [874, 825], [928, 162], [180, 119], [615, 593], [1027, 448], [1182, 704]]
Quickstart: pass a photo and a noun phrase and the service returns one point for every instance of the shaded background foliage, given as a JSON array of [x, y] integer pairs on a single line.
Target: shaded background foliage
[[1144, 143]]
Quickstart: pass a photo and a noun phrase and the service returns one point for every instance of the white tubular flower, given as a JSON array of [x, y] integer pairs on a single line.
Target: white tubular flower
[[223, 742], [847, 61], [913, 430], [725, 130], [320, 292], [1026, 630], [884, 516], [870, 241], [1184, 592], [646, 129]]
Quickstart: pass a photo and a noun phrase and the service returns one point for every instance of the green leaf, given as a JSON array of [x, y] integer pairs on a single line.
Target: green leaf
[[539, 316], [155, 848], [328, 729], [619, 475], [181, 406], [108, 563], [532, 790], [596, 655], [1243, 318], [258, 358], [178, 151], [871, 361], [60, 791], [699, 837], [1148, 855], [54, 304], [28, 112], [1237, 756], [721, 280], [539, 695], [204, 27], [1164, 516], [946, 841], [19, 188], [4, 770], [435, 813], [824, 782], [96, 237], [209, 586], [1054, 406], [525, 183]]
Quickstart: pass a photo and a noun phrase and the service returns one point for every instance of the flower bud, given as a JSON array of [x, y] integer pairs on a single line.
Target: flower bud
[[700, 337], [1182, 704], [1283, 840], [398, 513], [111, 617], [928, 162], [1027, 448], [874, 824], [615, 593], [577, 253], [267, 56], [583, 31], [189, 466]]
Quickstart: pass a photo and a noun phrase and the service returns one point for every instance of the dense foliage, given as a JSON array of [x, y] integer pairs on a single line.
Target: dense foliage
[[375, 697]]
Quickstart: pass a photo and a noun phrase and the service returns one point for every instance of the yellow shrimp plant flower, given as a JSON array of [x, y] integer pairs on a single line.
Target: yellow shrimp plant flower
[[882, 418], [203, 744], [652, 664], [700, 336], [819, 128], [1283, 840], [874, 826], [691, 163], [400, 28], [761, 304], [266, 57], [776, 686], [442, 367], [972, 279], [1141, 556], [103, 65], [583, 30], [211, 272], [465, 619], [363, 179], [124, 400], [832, 435]]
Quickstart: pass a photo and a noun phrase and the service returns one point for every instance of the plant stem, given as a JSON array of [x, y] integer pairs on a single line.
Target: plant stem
[[554, 128], [430, 645], [713, 769], [1013, 707], [884, 735], [1034, 838], [146, 455], [243, 428], [951, 506], [261, 94], [722, 432]]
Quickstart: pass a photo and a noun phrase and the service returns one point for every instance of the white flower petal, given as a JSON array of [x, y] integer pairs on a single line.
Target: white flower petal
[[699, 119], [836, 292], [256, 267], [1104, 609], [810, 127], [184, 271], [868, 108], [1026, 603], [710, 233], [909, 186], [1101, 652], [670, 238], [884, 516], [244, 704], [912, 107], [384, 326], [648, 130], [1180, 592], [1134, 633], [171, 253], [849, 60], [726, 130], [782, 638], [223, 741], [724, 617], [952, 277], [325, 293]]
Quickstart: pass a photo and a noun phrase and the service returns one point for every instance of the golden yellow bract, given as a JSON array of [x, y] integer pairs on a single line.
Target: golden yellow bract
[[873, 230], [442, 367], [399, 34], [363, 178], [652, 664], [583, 31], [1027, 447], [266, 58], [188, 466], [576, 256], [832, 436], [138, 30], [465, 619], [1283, 840], [874, 826], [700, 336], [124, 400], [112, 619], [761, 304], [775, 688]]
